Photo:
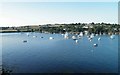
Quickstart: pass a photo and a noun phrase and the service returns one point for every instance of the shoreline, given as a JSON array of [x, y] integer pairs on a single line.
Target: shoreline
[[15, 31], [74, 28]]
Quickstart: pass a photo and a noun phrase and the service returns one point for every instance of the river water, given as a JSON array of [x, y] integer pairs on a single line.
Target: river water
[[59, 55]]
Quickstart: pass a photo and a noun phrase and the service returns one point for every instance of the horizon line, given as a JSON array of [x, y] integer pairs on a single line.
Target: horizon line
[[58, 23]]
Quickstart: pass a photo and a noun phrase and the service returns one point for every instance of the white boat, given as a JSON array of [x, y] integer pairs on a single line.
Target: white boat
[[100, 33], [51, 38], [34, 36], [81, 34], [92, 36], [109, 33], [86, 32], [104, 33], [99, 39], [62, 34], [73, 37], [90, 40], [95, 45], [79, 37], [27, 34], [96, 34], [112, 36], [76, 41], [66, 36]]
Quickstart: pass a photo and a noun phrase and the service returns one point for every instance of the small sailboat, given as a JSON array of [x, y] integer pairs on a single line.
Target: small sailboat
[[100, 33], [92, 35], [66, 36], [81, 34], [86, 32]]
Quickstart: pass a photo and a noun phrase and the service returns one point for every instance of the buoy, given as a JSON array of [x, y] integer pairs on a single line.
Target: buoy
[[95, 45]]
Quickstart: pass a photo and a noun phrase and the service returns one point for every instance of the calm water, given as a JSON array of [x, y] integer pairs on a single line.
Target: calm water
[[41, 55]]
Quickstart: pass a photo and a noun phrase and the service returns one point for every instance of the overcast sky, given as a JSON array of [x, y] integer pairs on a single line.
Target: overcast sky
[[36, 13]]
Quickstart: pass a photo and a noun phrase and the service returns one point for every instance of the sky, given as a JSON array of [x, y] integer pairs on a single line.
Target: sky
[[59, 0], [39, 13]]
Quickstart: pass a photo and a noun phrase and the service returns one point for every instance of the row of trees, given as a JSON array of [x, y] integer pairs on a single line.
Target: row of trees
[[73, 27], [96, 28]]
